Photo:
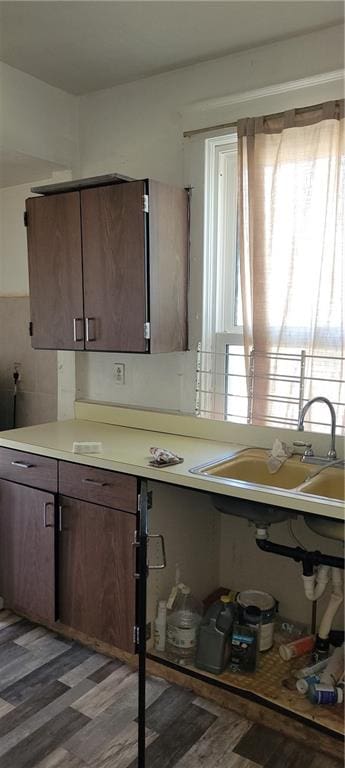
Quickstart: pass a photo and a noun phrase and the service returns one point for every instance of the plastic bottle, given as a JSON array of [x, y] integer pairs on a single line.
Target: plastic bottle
[[160, 626], [246, 641], [213, 649], [304, 683], [335, 667], [325, 694], [312, 669], [244, 649], [183, 620], [297, 648]]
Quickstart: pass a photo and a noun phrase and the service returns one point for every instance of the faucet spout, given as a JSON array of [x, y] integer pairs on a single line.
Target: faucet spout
[[332, 452]]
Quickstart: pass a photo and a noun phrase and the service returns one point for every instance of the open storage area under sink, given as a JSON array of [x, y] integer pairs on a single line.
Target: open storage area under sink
[[266, 686], [203, 549]]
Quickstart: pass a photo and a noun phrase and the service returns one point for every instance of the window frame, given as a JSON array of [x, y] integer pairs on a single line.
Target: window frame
[[220, 237]]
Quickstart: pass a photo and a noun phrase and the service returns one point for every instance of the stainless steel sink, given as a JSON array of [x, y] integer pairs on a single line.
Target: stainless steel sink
[[250, 466]]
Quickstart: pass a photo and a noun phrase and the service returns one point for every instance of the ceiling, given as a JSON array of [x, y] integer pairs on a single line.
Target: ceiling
[[86, 46]]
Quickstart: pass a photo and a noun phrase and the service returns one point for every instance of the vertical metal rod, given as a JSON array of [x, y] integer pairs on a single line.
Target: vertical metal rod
[[226, 380], [198, 380], [142, 569], [301, 383], [251, 375]]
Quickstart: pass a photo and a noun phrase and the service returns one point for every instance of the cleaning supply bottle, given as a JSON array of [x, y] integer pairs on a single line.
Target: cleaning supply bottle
[[213, 649], [183, 620], [160, 626]]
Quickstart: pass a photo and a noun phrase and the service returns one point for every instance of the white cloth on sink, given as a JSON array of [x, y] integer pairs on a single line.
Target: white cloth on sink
[[279, 453]]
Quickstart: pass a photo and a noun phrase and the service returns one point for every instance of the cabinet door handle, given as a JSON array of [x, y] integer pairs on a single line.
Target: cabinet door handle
[[135, 545], [45, 507], [89, 320], [77, 320], [21, 464], [163, 564], [93, 482], [60, 519]]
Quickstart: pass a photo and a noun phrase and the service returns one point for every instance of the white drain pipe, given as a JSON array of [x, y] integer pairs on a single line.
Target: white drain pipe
[[335, 602], [315, 585]]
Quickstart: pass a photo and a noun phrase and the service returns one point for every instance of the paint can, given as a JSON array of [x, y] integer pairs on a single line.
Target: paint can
[[268, 607]]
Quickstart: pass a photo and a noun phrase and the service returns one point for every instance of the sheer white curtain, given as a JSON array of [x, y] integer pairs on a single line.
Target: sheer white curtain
[[291, 241]]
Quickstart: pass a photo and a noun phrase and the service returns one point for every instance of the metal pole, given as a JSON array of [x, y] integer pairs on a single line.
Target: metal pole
[[251, 375], [142, 570], [198, 380], [226, 380], [301, 382]]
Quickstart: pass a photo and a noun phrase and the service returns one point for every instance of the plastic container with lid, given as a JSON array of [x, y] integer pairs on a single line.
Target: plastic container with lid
[[183, 621], [268, 608], [297, 648], [325, 694]]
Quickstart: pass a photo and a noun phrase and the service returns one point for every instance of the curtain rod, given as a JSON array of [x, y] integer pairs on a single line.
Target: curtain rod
[[219, 127]]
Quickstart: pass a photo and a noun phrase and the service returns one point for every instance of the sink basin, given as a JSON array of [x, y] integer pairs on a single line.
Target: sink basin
[[329, 483], [332, 529], [250, 465]]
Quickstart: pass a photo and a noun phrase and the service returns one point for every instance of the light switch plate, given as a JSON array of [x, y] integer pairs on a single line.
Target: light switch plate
[[119, 373]]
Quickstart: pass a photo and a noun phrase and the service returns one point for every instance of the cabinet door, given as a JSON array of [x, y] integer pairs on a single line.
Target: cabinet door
[[114, 266], [55, 271], [96, 564], [27, 549]]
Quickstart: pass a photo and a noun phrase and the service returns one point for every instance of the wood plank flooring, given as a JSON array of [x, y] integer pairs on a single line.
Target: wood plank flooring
[[64, 706]]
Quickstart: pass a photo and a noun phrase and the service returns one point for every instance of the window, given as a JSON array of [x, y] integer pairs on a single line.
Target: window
[[292, 373]]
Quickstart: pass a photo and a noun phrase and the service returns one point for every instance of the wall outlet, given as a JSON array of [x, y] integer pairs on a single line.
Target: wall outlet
[[17, 368], [119, 373]]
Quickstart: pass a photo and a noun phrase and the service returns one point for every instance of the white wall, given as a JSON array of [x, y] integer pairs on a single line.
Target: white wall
[[37, 119], [137, 129]]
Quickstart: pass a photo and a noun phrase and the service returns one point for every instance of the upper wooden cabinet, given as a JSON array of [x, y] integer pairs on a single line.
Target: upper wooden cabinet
[[108, 268]]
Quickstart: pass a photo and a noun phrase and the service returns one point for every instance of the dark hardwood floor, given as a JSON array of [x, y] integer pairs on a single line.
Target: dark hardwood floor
[[65, 706]]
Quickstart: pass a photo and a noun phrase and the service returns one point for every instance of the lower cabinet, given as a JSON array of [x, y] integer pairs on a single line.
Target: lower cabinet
[[69, 557], [27, 550], [97, 586]]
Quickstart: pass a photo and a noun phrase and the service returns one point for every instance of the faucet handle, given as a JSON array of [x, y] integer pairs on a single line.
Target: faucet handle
[[308, 446]]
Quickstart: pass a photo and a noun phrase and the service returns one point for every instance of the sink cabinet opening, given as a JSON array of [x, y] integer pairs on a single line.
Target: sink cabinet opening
[[206, 550]]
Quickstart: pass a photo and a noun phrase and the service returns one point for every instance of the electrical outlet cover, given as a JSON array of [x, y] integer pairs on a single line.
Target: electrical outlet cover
[[119, 373]]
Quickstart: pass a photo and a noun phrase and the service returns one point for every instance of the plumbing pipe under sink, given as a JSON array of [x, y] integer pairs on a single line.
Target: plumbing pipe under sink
[[335, 602], [314, 583]]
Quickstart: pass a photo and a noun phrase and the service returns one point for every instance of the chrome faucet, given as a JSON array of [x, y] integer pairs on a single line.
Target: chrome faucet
[[332, 452]]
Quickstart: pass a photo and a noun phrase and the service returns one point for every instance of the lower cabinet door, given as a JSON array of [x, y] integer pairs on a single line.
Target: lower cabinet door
[[96, 571], [27, 550]]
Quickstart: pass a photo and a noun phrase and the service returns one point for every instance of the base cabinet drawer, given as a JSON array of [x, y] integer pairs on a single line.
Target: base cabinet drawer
[[100, 486], [27, 550], [28, 469], [96, 571]]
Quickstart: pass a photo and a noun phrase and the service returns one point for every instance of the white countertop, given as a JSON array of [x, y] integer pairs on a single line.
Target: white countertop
[[127, 449]]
